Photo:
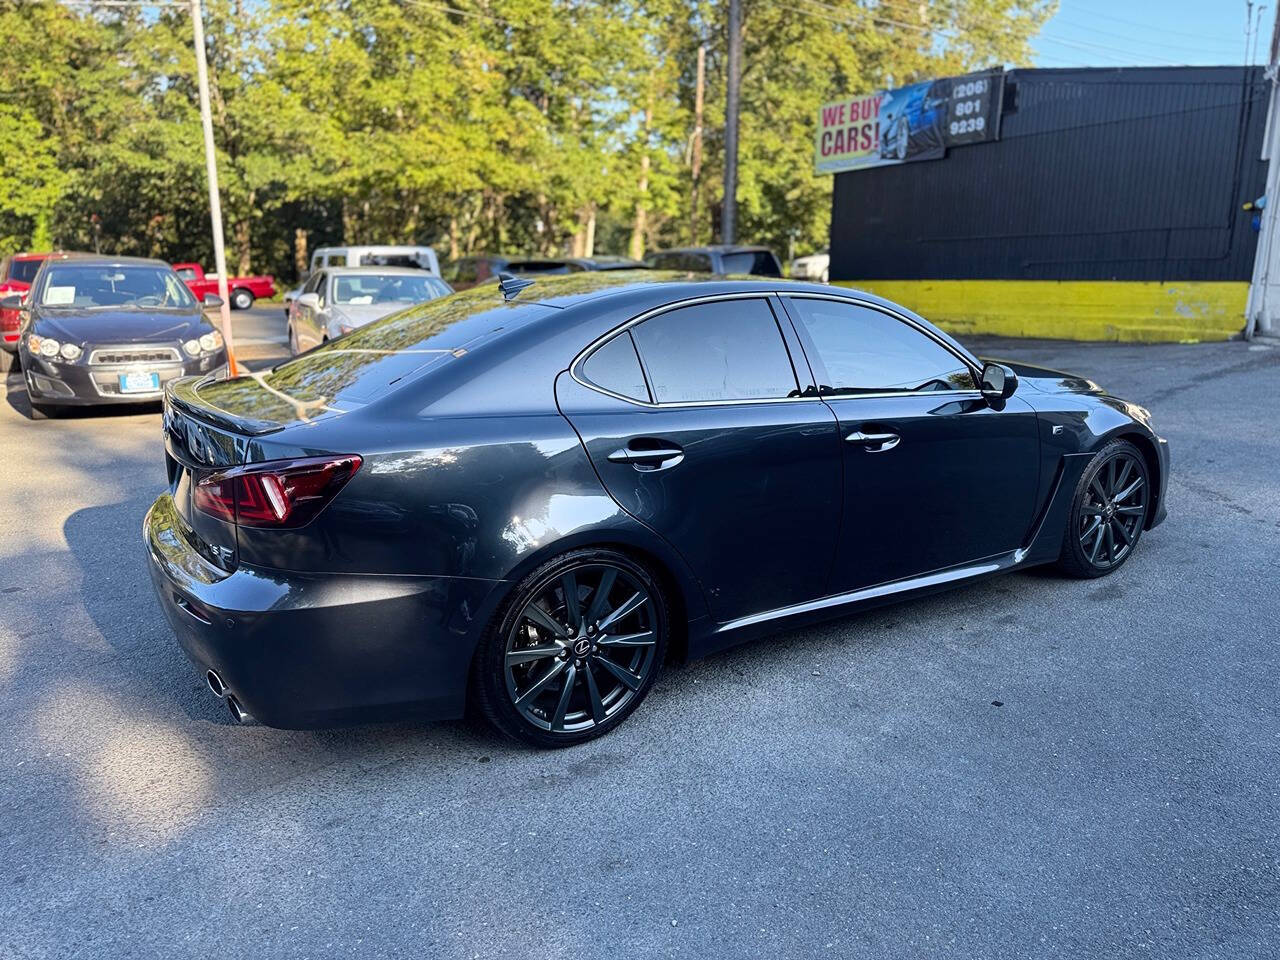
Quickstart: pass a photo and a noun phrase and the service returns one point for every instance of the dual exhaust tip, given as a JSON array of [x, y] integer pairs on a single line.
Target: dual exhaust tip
[[220, 690]]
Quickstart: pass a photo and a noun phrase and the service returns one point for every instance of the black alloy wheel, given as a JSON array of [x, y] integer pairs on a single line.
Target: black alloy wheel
[[579, 647], [1108, 513]]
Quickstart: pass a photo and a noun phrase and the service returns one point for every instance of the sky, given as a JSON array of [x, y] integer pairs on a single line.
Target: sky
[[1111, 33]]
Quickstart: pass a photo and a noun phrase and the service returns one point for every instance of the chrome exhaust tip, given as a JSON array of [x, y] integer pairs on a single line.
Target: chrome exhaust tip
[[238, 713], [216, 686]]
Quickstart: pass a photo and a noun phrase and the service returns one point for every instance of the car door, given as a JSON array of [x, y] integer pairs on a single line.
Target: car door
[[716, 446], [934, 476]]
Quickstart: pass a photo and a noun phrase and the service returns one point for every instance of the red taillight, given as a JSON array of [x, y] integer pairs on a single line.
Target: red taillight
[[279, 493]]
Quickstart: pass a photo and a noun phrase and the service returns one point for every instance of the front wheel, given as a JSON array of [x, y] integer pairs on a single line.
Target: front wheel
[[1107, 513], [241, 299], [578, 647]]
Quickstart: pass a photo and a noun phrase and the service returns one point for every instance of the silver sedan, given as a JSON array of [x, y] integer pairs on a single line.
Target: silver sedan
[[337, 300]]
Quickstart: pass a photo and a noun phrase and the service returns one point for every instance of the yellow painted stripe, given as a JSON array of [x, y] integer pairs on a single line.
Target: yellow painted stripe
[[1073, 309]]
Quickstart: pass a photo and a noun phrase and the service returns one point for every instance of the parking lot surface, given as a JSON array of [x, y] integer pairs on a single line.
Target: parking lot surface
[[1026, 767]]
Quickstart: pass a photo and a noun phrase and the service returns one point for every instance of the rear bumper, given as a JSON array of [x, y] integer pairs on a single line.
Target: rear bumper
[[315, 650]]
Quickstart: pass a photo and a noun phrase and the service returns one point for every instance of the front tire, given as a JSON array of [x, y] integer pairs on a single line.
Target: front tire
[[241, 299], [1108, 512], [574, 650]]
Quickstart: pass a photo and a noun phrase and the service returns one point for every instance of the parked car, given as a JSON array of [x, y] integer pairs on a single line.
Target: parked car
[[466, 272], [110, 330], [816, 266], [721, 259], [16, 273], [543, 266], [422, 258], [387, 255], [338, 300], [528, 499], [242, 290]]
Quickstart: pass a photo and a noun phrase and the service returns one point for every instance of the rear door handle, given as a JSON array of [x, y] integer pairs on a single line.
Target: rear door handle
[[875, 442], [648, 459]]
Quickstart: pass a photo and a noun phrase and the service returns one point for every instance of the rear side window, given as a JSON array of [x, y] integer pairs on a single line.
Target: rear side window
[[867, 351], [336, 260], [726, 350], [616, 368]]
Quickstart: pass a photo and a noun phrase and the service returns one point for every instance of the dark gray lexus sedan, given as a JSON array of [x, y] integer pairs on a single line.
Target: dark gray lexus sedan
[[527, 496], [110, 330]]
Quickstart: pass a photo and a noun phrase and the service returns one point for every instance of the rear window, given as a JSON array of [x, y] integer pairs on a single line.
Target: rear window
[[726, 350], [359, 366], [760, 263], [539, 266], [24, 271]]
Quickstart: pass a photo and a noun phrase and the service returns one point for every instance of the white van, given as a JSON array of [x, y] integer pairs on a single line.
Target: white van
[[424, 258]]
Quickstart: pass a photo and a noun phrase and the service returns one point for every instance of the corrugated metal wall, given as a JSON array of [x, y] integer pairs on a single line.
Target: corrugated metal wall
[[1125, 174]]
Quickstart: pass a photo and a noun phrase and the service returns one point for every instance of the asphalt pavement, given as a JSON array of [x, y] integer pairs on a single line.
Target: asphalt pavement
[[1026, 767]]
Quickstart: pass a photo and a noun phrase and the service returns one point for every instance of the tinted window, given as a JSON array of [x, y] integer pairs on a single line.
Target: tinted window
[[866, 351], [616, 368], [693, 262], [762, 263], [730, 350]]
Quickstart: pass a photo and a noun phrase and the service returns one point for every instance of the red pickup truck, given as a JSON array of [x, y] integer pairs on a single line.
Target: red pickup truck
[[16, 274], [243, 290]]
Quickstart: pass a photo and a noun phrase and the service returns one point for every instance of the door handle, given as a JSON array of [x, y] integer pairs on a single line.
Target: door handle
[[650, 459], [875, 442]]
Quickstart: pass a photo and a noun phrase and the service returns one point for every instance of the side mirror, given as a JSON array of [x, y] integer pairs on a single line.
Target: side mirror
[[12, 302], [311, 300], [998, 382], [212, 300]]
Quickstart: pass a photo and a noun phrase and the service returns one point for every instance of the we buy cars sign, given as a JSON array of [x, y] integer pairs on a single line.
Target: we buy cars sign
[[916, 122], [848, 134]]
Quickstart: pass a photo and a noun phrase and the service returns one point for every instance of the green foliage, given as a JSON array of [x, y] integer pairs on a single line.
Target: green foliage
[[513, 125]]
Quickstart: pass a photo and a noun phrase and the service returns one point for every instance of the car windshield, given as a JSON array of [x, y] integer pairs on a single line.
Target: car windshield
[[24, 271], [81, 286], [370, 288]]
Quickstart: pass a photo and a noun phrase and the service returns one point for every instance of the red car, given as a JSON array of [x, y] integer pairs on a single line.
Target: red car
[[242, 290], [16, 274]]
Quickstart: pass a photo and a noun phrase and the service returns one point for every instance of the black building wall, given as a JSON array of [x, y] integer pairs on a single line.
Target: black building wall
[[1099, 174]]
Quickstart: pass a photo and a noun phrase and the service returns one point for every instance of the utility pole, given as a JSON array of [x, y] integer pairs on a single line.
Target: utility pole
[[729, 213], [695, 163], [215, 203]]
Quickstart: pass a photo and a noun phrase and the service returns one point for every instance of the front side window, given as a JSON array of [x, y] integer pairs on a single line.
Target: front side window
[[725, 350], [867, 351], [336, 260]]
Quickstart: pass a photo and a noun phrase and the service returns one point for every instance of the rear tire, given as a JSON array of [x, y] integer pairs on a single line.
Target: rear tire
[[241, 299], [1108, 512], [554, 673]]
